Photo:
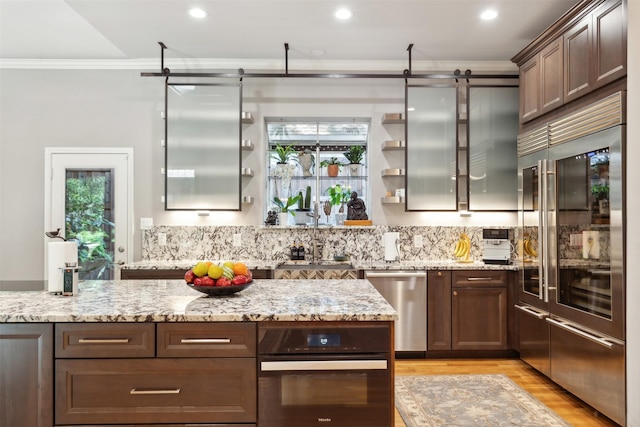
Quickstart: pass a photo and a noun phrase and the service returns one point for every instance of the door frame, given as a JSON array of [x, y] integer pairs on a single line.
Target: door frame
[[88, 151]]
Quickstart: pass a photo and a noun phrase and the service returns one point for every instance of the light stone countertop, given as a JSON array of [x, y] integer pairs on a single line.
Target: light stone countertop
[[174, 301], [358, 265]]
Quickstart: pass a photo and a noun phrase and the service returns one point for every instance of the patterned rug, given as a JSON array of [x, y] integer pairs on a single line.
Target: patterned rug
[[469, 400]]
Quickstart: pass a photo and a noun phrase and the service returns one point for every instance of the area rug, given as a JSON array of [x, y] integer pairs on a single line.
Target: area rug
[[469, 400]]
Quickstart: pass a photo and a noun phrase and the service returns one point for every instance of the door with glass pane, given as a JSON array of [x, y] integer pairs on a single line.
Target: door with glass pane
[[590, 288], [89, 201]]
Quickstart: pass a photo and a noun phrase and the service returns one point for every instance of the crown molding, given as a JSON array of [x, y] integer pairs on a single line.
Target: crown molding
[[249, 65]]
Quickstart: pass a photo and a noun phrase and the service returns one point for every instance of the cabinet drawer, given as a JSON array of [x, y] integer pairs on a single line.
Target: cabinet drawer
[[235, 339], [89, 340], [463, 279], [144, 391]]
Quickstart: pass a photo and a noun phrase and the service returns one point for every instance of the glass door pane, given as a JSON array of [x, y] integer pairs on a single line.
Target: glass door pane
[[583, 223], [89, 219], [431, 153], [493, 130], [203, 147]]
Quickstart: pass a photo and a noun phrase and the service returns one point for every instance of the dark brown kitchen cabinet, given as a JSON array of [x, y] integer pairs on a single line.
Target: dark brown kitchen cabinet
[[26, 375], [145, 373], [467, 310], [595, 50], [541, 85], [168, 274]]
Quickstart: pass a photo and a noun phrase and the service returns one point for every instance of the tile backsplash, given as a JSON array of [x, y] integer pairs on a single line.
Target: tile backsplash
[[274, 243]]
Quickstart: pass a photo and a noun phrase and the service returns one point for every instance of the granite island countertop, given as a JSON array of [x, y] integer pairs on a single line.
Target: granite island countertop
[[357, 265], [174, 301]]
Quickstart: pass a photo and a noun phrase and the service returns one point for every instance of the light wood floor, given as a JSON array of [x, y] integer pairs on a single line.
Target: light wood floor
[[571, 409]]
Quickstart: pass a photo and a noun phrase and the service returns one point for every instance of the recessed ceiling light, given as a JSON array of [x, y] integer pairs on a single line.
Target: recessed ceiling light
[[197, 13], [343, 14], [317, 52], [489, 14]]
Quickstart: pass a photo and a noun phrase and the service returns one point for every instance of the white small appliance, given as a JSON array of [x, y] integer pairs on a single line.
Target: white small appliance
[[497, 248], [391, 242], [62, 267]]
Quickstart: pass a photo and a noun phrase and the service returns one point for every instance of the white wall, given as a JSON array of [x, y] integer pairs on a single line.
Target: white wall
[[118, 108], [633, 207]]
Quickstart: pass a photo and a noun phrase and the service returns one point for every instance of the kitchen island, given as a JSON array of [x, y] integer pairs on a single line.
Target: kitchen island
[[146, 336]]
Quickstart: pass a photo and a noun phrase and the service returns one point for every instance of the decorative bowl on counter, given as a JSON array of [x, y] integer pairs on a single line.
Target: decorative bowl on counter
[[219, 291]]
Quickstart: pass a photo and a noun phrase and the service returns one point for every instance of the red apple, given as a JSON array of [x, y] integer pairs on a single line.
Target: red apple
[[207, 281], [197, 281], [240, 279], [223, 281], [189, 276]]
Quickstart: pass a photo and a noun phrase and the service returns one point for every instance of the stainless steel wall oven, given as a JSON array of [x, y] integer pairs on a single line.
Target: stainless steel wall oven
[[333, 375]]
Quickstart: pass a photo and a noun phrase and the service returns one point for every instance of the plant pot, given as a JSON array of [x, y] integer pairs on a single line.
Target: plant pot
[[355, 169], [332, 170], [283, 219], [305, 161], [301, 217]]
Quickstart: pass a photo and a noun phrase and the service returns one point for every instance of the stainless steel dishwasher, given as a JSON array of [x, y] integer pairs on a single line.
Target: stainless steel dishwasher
[[406, 291]]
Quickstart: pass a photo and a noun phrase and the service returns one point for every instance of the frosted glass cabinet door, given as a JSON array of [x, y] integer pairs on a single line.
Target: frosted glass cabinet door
[[203, 147], [431, 164], [493, 132]]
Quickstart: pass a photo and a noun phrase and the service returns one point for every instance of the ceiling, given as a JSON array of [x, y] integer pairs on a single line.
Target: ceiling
[[380, 30]]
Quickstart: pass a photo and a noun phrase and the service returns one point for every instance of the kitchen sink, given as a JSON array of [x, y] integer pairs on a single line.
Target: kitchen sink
[[315, 270]]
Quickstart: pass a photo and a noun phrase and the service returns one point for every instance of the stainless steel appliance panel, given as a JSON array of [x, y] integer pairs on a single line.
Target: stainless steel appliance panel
[[589, 365], [534, 337], [406, 292], [324, 375], [588, 232]]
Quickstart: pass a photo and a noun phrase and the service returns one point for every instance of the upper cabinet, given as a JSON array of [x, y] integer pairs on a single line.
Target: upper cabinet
[[431, 151], [541, 88], [203, 147], [584, 50]]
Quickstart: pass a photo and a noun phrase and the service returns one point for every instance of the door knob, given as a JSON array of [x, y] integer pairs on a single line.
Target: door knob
[[120, 249]]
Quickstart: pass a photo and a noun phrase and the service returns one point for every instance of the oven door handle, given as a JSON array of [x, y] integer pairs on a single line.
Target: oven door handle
[[323, 365]]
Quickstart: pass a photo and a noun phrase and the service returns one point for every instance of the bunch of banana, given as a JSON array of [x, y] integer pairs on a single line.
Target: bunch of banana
[[463, 248], [528, 248]]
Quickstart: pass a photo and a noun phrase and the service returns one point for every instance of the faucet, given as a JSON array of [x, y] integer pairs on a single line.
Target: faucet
[[317, 250]]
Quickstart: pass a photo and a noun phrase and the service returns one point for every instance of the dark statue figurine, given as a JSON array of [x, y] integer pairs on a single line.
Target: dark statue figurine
[[271, 218], [356, 208]]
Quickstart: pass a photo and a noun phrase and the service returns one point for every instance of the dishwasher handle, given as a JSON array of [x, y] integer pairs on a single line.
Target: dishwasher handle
[[395, 274]]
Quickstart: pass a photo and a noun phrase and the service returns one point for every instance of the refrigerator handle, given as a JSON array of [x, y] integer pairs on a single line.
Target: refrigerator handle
[[532, 312], [542, 173], [606, 342], [546, 232]]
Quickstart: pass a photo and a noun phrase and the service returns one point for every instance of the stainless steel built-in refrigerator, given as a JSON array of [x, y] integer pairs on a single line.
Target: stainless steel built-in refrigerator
[[571, 290]]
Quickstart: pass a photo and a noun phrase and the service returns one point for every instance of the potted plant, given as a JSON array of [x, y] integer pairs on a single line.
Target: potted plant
[[304, 207], [333, 166], [283, 155], [338, 196], [355, 156], [283, 170], [284, 208]]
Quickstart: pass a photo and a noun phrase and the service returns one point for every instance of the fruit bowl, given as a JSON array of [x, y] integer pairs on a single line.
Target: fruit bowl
[[218, 291]]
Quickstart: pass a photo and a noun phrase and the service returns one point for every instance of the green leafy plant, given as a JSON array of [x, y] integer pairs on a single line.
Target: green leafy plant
[[355, 154], [600, 191], [283, 154], [286, 206], [331, 161], [339, 195]]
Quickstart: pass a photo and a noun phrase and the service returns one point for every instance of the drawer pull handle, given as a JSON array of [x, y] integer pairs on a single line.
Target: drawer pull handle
[[205, 340], [169, 391], [477, 279], [103, 341]]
